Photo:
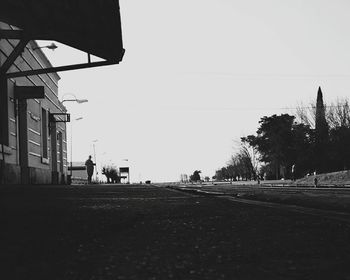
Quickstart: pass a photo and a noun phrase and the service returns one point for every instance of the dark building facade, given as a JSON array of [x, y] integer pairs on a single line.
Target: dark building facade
[[33, 142], [33, 147]]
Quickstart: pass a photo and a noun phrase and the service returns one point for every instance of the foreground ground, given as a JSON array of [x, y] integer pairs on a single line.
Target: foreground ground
[[327, 198], [147, 232]]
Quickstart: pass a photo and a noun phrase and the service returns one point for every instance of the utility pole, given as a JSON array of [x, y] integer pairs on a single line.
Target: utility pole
[[96, 178]]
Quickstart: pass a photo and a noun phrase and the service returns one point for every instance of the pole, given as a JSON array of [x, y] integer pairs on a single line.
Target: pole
[[71, 146], [71, 150], [3, 98], [95, 162]]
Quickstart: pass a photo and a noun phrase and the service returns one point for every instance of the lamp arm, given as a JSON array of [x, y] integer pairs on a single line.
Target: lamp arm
[[68, 100]]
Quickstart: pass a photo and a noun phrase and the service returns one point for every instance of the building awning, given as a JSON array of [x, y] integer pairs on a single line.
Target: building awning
[[92, 26]]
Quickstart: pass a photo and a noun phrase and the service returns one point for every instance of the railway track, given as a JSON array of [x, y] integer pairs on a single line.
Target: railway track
[[322, 202], [273, 188]]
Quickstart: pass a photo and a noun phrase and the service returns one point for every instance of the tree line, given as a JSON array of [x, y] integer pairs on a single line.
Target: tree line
[[315, 139]]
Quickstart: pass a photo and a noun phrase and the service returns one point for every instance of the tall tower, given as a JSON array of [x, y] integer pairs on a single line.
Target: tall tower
[[321, 135]]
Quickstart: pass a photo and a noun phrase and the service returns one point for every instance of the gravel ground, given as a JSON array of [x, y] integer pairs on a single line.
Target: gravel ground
[[145, 232], [334, 199]]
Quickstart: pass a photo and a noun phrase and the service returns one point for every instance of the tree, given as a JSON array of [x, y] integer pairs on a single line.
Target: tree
[[338, 114], [321, 135], [111, 174], [231, 172], [339, 149], [330, 150], [249, 155], [195, 177], [267, 172], [282, 143], [306, 114], [338, 117], [301, 155], [221, 174], [274, 140], [243, 165]]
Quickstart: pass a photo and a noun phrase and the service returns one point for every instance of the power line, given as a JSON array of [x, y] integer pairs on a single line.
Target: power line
[[248, 108]]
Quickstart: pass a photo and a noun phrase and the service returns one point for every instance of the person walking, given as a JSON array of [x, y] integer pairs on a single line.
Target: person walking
[[89, 168]]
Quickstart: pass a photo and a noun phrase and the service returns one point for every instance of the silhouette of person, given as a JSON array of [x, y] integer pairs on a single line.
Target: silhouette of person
[[89, 168]]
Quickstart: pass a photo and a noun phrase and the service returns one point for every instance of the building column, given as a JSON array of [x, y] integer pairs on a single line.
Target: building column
[[23, 141], [53, 140], [3, 124]]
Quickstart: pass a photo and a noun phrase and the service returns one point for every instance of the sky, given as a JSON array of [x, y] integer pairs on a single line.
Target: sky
[[197, 75]]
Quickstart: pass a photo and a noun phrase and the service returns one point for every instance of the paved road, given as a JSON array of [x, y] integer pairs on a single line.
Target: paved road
[[147, 232]]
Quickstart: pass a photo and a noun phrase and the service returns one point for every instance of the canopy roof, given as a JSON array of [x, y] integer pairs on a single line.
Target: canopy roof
[[92, 26]]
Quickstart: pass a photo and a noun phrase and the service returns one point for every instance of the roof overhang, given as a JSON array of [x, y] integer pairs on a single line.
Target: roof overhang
[[92, 26]]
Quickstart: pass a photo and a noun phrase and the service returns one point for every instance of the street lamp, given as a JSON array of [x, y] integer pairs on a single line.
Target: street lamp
[[50, 47], [71, 146], [93, 145], [71, 126], [75, 99]]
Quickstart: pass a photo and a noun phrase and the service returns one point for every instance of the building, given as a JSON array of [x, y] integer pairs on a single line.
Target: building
[[33, 146]]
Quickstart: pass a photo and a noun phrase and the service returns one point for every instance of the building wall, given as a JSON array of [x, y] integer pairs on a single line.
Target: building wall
[[46, 156]]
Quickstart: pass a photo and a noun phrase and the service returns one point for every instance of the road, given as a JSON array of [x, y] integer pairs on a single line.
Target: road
[[149, 232]]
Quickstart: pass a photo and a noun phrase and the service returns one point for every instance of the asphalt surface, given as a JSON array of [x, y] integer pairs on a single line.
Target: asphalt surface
[[148, 232]]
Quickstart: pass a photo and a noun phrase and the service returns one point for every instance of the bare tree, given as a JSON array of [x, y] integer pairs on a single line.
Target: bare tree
[[338, 114], [245, 162], [306, 114], [253, 155]]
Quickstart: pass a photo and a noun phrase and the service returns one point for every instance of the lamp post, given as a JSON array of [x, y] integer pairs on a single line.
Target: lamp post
[[79, 101], [71, 146], [94, 141], [75, 99]]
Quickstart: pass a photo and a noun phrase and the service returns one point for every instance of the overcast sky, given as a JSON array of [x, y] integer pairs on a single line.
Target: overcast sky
[[197, 75]]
